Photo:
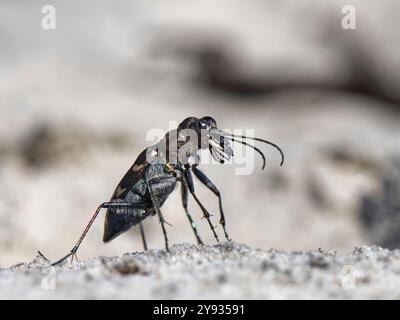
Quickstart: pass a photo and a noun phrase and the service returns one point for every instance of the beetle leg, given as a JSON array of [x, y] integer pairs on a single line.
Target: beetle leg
[[184, 190], [206, 214], [208, 183], [158, 211], [104, 205], [143, 236]]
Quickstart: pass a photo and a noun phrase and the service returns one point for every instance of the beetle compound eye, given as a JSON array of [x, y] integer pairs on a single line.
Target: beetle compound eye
[[189, 123], [209, 121], [194, 125]]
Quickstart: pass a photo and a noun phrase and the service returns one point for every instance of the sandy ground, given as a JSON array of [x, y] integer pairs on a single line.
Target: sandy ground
[[226, 271]]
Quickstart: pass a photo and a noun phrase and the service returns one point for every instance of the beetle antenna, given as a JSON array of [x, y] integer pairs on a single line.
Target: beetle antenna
[[252, 147], [228, 135]]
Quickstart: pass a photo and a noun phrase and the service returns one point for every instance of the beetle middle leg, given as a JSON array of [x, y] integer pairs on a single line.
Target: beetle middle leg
[[206, 214], [143, 236], [184, 190], [210, 185], [156, 207]]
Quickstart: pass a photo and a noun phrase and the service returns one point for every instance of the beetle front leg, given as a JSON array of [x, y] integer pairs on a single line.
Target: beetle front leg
[[210, 185], [189, 180]]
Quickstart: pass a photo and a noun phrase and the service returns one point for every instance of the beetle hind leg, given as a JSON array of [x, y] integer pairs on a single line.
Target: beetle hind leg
[[104, 205]]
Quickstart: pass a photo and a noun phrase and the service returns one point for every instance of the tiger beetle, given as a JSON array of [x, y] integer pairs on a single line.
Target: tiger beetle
[[155, 173]]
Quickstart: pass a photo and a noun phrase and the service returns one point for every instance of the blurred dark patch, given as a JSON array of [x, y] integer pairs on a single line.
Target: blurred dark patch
[[37, 149], [363, 77], [316, 194], [220, 70], [347, 160], [345, 156], [318, 260], [45, 144], [127, 267], [221, 66], [380, 213], [276, 181], [3, 152]]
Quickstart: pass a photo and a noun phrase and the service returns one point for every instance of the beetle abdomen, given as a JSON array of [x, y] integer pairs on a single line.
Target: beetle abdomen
[[120, 220]]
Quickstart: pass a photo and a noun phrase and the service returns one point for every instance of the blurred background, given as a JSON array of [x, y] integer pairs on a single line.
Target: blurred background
[[77, 102]]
